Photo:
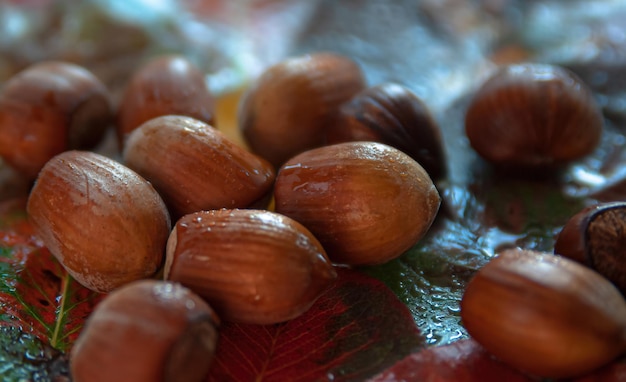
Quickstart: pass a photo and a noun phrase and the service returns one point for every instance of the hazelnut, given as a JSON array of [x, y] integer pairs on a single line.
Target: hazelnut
[[165, 85], [544, 314], [533, 116], [290, 106], [366, 202], [390, 113], [48, 108], [596, 237], [195, 167], [146, 331], [252, 266], [102, 221]]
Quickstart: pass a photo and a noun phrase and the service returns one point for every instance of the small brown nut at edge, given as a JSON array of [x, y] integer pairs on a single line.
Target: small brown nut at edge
[[146, 331], [48, 108], [594, 237]]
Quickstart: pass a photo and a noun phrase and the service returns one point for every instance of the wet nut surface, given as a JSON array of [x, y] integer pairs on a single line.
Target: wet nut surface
[[544, 314], [48, 108], [196, 167], [252, 266], [147, 331], [366, 202], [104, 223]]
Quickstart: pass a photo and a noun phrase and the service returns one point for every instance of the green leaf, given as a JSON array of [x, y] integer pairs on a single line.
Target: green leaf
[[36, 294], [23, 357], [475, 222]]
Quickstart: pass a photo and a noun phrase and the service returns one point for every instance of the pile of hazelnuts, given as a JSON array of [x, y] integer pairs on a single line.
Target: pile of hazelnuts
[[184, 228], [559, 314]]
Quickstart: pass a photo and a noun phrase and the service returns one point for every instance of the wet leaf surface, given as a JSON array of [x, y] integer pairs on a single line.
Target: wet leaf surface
[[466, 361], [23, 357], [40, 304], [461, 361], [483, 210], [357, 328]]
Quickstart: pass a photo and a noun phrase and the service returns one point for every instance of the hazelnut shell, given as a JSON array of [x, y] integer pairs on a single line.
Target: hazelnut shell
[[595, 237], [102, 221], [48, 108], [196, 167], [165, 85], [533, 116], [366, 202], [290, 106], [391, 114], [252, 266], [545, 314], [146, 331]]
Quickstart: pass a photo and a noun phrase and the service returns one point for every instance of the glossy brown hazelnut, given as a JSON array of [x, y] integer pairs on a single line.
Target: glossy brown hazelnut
[[288, 108], [252, 266], [102, 221], [146, 331], [48, 108], [544, 314], [535, 116], [366, 202], [390, 113], [165, 85], [196, 167], [596, 237]]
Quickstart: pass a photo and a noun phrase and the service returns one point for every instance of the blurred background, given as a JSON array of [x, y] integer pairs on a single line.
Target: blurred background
[[440, 49], [417, 42]]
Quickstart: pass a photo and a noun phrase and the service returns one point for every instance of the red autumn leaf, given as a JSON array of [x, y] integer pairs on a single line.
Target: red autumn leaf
[[466, 361], [355, 329], [614, 372], [36, 294], [460, 361]]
